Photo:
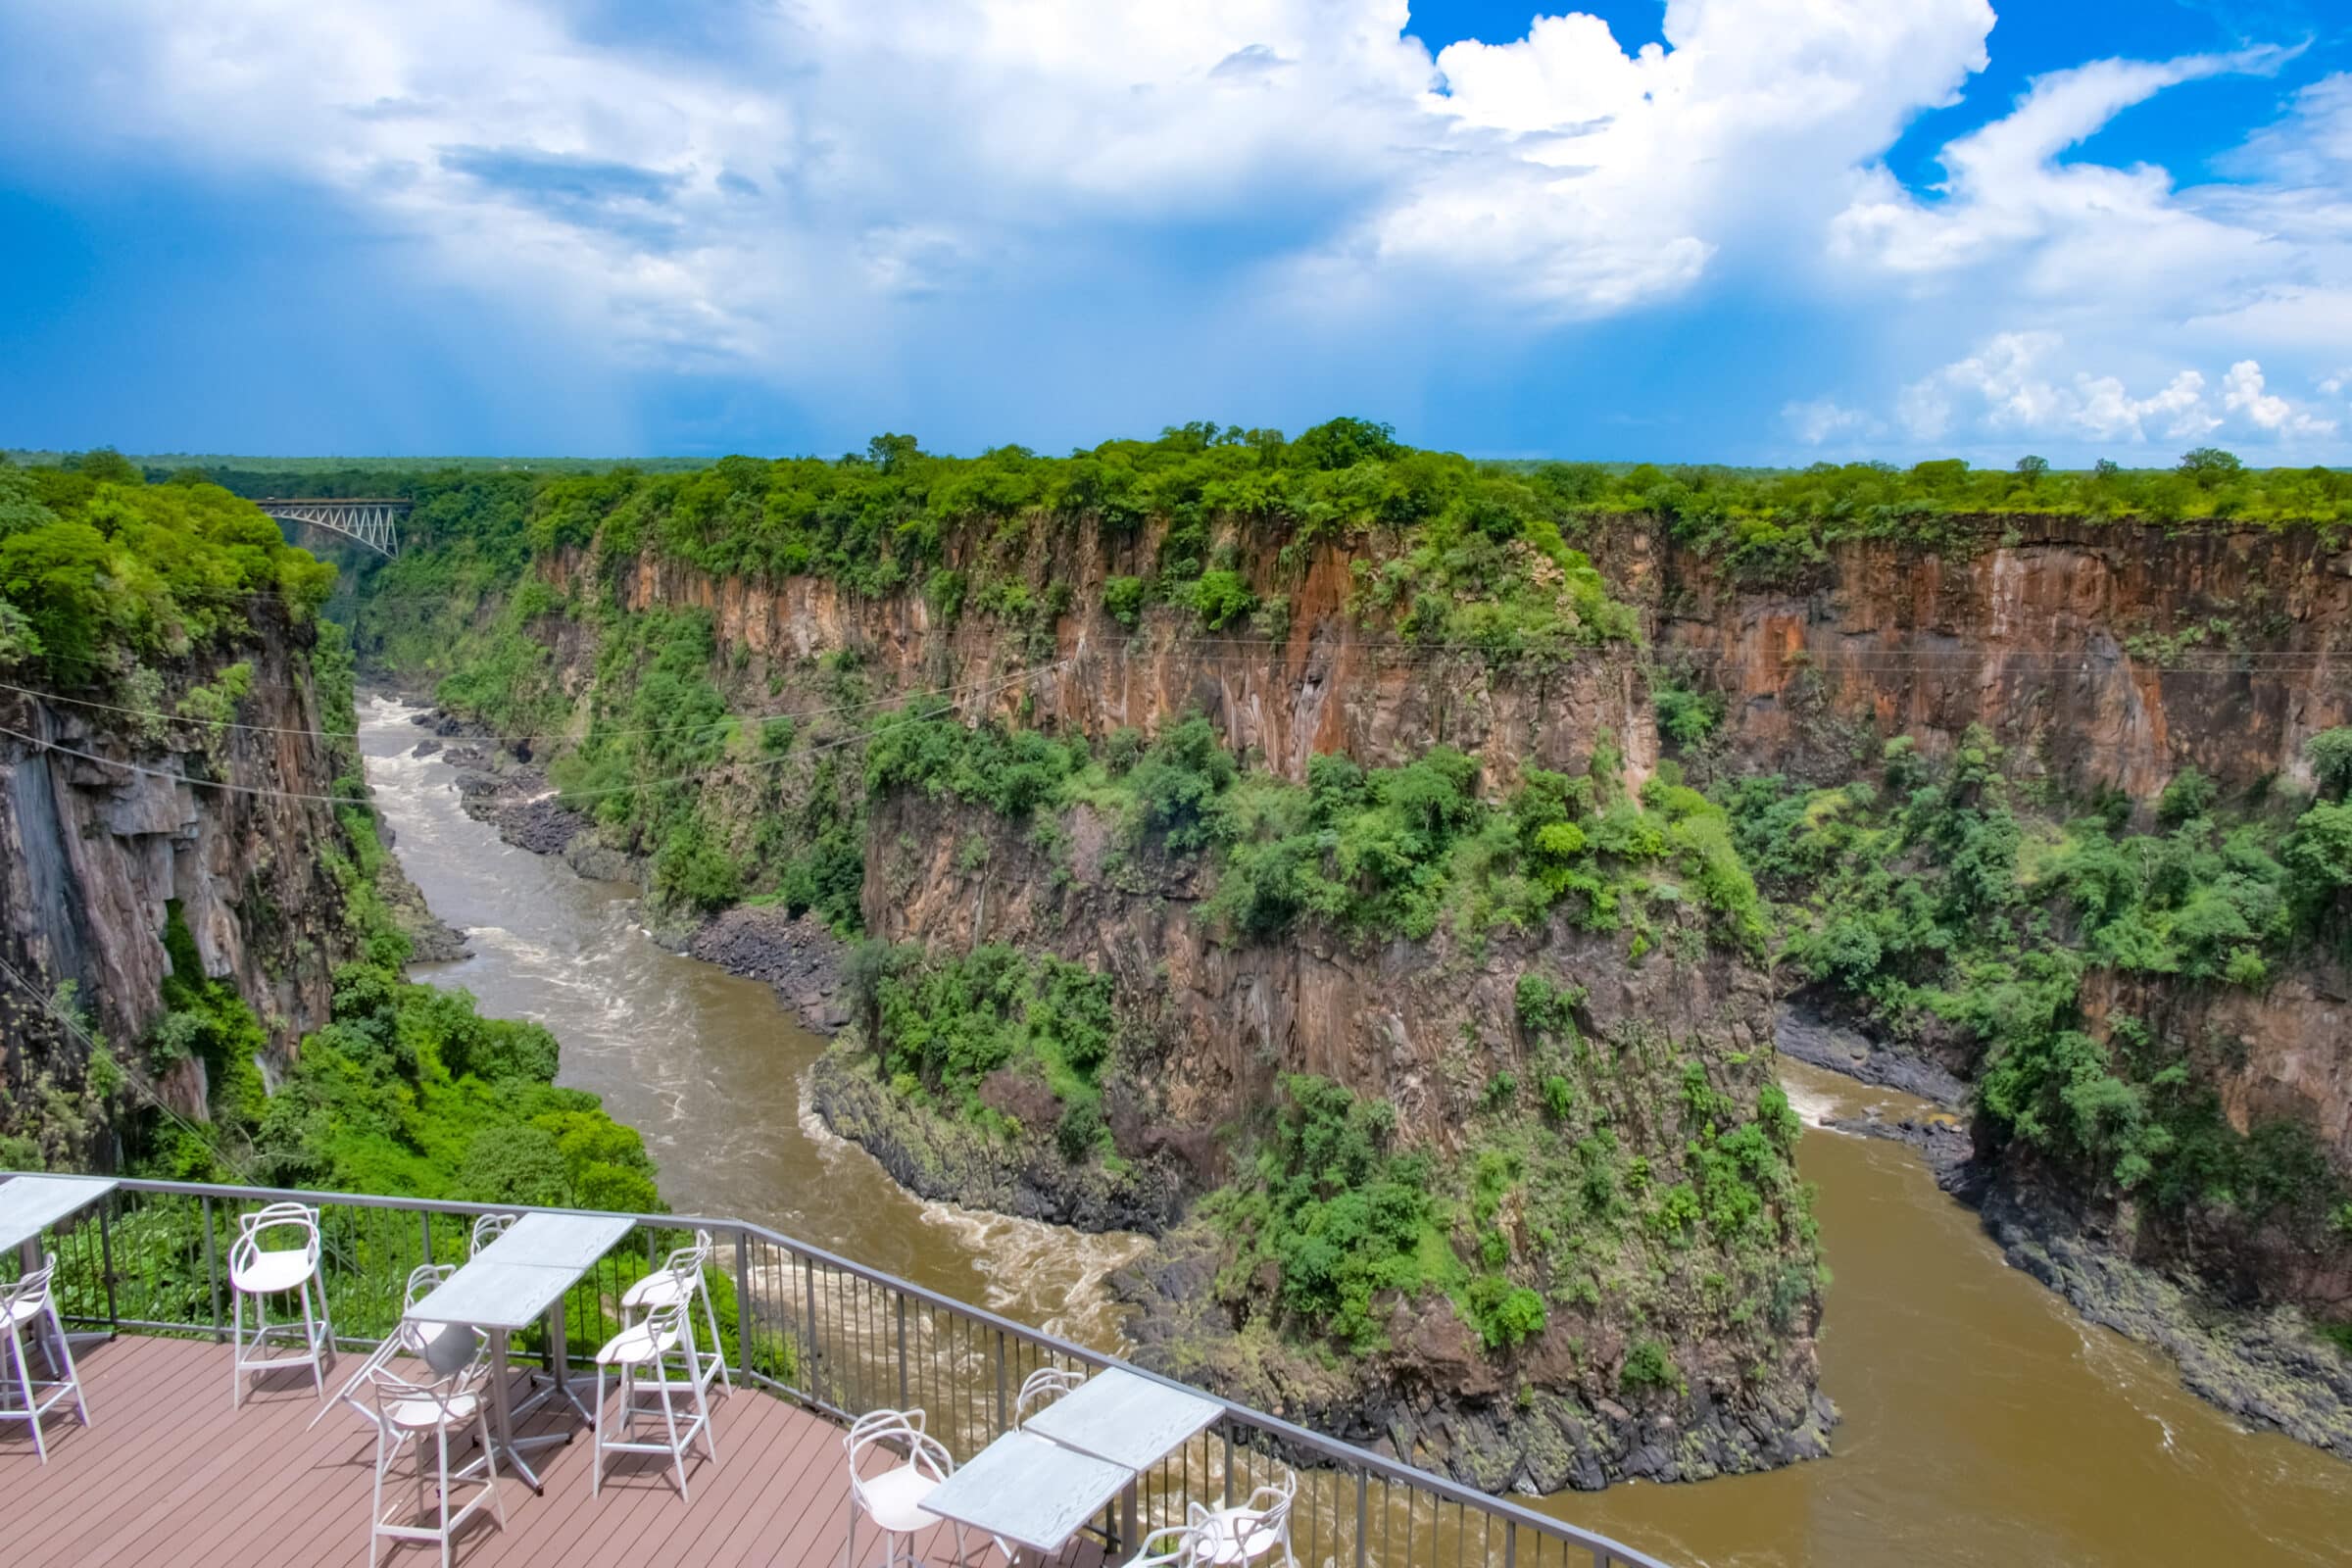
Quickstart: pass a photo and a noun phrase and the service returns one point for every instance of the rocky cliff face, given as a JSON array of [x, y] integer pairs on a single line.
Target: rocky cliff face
[[2102, 656], [99, 848], [2107, 655], [1326, 681]]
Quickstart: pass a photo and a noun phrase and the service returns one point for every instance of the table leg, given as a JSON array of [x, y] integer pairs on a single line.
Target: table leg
[[558, 1354], [1127, 1534], [503, 1413]]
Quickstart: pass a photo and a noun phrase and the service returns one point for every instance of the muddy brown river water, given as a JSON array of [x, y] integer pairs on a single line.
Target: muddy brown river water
[[1983, 1422]]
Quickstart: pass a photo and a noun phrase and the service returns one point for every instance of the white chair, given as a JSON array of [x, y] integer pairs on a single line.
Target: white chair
[[894, 1498], [262, 1272], [1040, 1389], [412, 1414], [1251, 1531], [487, 1229], [444, 1348], [641, 1356], [680, 1279], [30, 1304]]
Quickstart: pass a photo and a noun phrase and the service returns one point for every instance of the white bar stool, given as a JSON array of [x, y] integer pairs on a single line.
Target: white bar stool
[[641, 1355], [410, 1413], [680, 1279], [30, 1303], [261, 1272]]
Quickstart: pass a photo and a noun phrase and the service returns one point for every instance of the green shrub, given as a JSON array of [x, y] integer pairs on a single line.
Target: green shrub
[[1647, 1366]]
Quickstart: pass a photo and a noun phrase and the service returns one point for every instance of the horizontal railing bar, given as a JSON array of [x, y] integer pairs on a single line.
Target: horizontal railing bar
[[1348, 1454]]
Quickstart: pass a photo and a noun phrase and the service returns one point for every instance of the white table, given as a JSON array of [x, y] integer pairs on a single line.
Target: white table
[[500, 1294], [1032, 1492], [30, 1204], [1129, 1420], [558, 1241]]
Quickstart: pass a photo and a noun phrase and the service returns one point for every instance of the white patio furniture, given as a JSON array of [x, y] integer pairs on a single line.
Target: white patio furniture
[[421, 1418], [28, 1311], [443, 1348], [1251, 1531], [1028, 1492], [30, 1204], [258, 1270], [642, 1357], [518, 1280], [894, 1498], [1040, 1389], [1129, 1419], [488, 1228], [680, 1278]]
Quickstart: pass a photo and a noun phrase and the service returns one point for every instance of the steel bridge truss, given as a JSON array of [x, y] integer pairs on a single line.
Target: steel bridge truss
[[373, 522]]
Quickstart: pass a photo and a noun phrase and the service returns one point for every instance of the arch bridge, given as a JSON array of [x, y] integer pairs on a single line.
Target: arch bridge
[[369, 520]]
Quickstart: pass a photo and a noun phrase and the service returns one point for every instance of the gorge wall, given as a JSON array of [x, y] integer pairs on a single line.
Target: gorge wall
[[2094, 664], [104, 850]]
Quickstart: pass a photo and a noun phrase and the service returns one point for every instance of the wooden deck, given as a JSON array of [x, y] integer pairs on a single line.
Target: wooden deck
[[169, 1473]]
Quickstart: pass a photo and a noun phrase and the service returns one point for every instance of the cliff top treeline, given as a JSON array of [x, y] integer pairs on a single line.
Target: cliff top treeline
[[100, 571]]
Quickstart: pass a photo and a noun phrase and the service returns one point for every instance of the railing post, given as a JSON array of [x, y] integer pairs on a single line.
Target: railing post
[[211, 1267], [1003, 1419], [1363, 1513], [106, 1261], [1225, 1435], [1510, 1543], [743, 1305], [809, 1307], [901, 1296]]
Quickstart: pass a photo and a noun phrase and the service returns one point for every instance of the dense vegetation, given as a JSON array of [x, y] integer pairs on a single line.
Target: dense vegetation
[[1370, 853], [102, 575], [106, 581], [1944, 898], [1545, 1209]]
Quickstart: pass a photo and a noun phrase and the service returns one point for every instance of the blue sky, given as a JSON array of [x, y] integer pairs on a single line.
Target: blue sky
[[1746, 231]]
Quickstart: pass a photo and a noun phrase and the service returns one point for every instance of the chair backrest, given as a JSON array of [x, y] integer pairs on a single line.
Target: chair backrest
[[665, 1322], [489, 1228], [690, 1261], [423, 1280], [390, 1389], [1042, 1387], [32, 1288], [1271, 1502], [903, 1429], [274, 1220]]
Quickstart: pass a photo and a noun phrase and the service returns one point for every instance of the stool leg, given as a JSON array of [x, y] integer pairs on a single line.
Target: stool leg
[[677, 1450], [604, 1424], [498, 1496], [441, 1437], [33, 1412], [375, 1521], [309, 1341], [65, 1350], [236, 1347], [718, 1345]]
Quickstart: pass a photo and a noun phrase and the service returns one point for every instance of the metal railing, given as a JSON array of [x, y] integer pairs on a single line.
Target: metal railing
[[832, 1335]]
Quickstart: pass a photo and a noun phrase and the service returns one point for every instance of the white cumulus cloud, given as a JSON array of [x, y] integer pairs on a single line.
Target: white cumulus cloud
[[2026, 384]]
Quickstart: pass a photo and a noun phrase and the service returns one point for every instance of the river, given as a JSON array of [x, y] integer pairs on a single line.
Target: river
[[1983, 1422]]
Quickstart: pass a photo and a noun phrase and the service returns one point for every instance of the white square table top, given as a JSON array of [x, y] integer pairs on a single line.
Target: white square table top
[[30, 1204], [495, 1296], [558, 1241], [1032, 1492], [1129, 1420]]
